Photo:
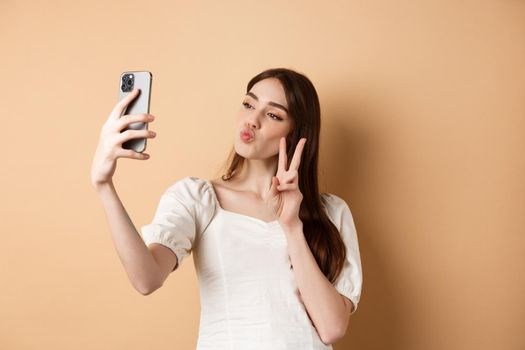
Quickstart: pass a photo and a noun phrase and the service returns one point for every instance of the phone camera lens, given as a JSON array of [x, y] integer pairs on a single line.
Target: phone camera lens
[[130, 82], [123, 87]]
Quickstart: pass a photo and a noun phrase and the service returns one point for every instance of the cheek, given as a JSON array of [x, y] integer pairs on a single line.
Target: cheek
[[274, 136], [279, 130], [238, 117], [239, 122]]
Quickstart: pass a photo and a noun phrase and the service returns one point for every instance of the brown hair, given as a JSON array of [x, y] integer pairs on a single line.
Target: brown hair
[[322, 236]]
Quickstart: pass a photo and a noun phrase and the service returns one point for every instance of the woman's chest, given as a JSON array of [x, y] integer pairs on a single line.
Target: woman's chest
[[243, 203], [238, 246]]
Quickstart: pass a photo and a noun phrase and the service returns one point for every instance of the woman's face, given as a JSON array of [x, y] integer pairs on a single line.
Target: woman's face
[[264, 112]]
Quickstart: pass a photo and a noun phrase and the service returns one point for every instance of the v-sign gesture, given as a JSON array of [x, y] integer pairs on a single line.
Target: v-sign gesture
[[285, 197]]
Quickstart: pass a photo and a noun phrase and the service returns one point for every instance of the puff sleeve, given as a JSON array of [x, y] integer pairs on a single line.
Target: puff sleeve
[[183, 213], [350, 280]]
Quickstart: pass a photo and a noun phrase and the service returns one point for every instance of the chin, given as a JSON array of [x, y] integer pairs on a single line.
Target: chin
[[245, 153]]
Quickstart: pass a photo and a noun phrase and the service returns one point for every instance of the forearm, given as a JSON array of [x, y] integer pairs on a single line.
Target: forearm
[[323, 302], [140, 265]]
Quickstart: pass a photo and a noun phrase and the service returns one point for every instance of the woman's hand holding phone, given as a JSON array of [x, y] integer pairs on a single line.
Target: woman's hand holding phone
[[109, 147]]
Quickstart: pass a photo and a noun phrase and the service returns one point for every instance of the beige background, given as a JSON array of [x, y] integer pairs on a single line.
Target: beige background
[[423, 120]]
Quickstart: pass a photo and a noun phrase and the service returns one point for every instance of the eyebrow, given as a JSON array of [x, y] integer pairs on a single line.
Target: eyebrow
[[271, 103]]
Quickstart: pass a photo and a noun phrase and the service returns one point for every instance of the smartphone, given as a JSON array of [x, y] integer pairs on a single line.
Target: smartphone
[[140, 104]]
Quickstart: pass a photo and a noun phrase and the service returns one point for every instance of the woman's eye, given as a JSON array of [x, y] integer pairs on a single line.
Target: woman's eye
[[277, 118], [273, 116]]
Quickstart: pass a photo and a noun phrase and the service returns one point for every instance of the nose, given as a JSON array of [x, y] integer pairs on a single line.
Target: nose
[[252, 121]]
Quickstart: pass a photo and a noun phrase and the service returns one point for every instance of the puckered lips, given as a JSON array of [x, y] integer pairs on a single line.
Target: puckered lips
[[247, 135]]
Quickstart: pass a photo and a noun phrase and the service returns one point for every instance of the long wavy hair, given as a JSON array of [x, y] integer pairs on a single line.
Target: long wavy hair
[[322, 236]]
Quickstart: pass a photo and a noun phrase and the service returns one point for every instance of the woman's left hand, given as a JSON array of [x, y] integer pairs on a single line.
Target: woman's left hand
[[285, 197]]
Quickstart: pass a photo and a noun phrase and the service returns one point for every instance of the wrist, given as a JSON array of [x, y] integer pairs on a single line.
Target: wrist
[[103, 186], [293, 226]]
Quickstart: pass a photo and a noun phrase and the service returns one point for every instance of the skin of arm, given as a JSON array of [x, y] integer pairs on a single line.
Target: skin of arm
[[328, 309], [140, 265]]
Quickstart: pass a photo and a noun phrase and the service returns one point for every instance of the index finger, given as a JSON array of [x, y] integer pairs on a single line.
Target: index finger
[[296, 159], [282, 155], [119, 108]]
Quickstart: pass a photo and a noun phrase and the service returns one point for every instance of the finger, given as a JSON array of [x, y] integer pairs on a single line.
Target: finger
[[289, 176], [132, 118], [133, 134], [129, 153], [296, 159], [287, 187], [273, 187], [119, 108], [282, 155]]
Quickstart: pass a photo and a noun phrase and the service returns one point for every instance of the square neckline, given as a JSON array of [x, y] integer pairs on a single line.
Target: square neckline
[[244, 216]]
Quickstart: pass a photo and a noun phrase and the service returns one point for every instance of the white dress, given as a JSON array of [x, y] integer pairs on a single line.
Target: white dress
[[248, 294]]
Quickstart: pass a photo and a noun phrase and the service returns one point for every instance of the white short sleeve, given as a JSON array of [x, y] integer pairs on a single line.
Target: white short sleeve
[[349, 282], [183, 213]]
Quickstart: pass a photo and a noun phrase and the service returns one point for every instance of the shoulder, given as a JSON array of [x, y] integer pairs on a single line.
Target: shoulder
[[191, 188], [337, 209], [333, 202]]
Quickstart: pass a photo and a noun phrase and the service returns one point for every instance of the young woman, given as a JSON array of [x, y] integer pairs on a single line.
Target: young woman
[[278, 262]]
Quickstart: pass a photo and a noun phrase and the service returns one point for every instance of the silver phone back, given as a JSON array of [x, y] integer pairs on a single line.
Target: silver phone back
[[139, 105]]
